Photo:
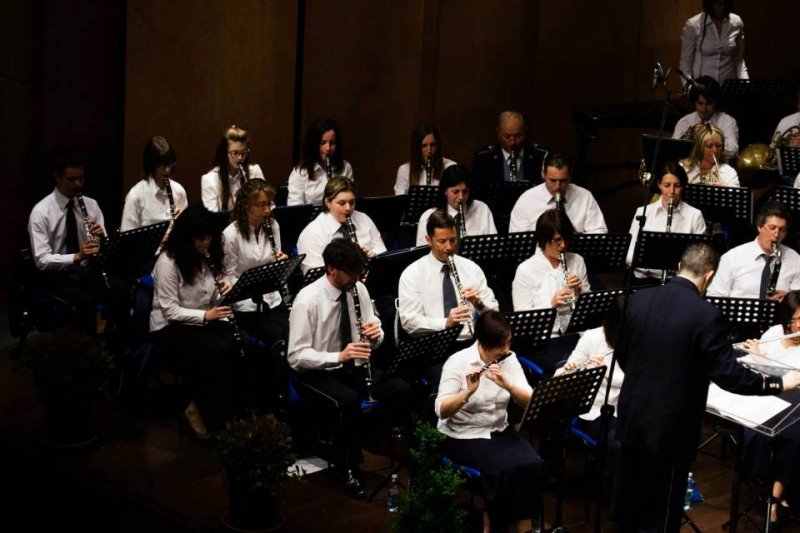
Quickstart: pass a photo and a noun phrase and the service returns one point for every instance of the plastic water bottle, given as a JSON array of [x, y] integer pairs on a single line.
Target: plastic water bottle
[[687, 499], [393, 499]]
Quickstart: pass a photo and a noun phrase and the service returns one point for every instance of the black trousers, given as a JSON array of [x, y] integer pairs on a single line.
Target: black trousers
[[512, 474], [265, 377], [210, 359], [269, 326], [342, 391], [648, 491]]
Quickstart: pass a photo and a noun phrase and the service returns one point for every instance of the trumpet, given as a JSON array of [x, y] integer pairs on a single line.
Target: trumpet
[[513, 172], [775, 252], [242, 173], [328, 167], [87, 228], [462, 301], [563, 258], [237, 334], [429, 171], [361, 338]]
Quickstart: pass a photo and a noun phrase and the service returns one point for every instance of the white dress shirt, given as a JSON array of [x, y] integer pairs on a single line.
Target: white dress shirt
[[146, 204], [243, 254], [211, 189], [314, 338], [421, 298], [720, 54], [485, 411], [727, 174], [776, 351], [323, 229], [176, 301], [685, 219], [725, 122], [479, 220], [593, 342], [739, 272], [47, 229], [787, 122], [401, 183], [536, 281], [580, 205], [310, 191]]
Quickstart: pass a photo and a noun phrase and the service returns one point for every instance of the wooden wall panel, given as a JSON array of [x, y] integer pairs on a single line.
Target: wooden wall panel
[[192, 72], [362, 67]]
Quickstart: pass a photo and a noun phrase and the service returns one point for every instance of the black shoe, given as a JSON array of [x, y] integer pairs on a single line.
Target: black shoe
[[352, 485]]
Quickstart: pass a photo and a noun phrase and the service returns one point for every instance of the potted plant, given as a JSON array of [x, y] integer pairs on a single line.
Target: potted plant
[[429, 505], [69, 370], [256, 455]]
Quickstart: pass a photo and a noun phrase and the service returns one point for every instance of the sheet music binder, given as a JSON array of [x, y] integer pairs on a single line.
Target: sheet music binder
[[721, 204], [415, 355], [602, 252], [122, 252], [590, 310], [262, 279]]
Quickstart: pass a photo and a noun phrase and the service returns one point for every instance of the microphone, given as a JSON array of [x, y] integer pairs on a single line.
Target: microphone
[[697, 87], [658, 75]]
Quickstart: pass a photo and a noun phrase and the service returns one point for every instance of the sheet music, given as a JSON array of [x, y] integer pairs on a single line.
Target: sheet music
[[750, 411]]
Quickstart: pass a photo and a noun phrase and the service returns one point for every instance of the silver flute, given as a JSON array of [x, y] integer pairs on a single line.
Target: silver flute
[[242, 173], [361, 338], [87, 228], [461, 300], [513, 172], [500, 359], [775, 252], [328, 167], [563, 258], [429, 171], [237, 335], [284, 290]]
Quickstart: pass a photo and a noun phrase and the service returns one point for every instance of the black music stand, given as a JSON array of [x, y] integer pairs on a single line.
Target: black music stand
[[663, 251], [788, 196], [385, 269], [789, 161], [748, 317], [415, 355], [590, 310], [292, 219], [128, 254], [602, 252], [758, 90], [262, 279], [385, 211], [420, 198], [531, 330], [501, 197], [564, 397], [313, 275], [670, 150], [721, 204]]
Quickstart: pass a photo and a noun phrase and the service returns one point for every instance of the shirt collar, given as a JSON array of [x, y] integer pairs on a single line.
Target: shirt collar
[[506, 155], [61, 199], [435, 263], [329, 290]]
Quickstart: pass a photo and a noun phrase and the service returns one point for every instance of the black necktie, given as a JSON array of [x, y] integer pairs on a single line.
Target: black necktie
[[344, 321], [71, 237], [449, 298], [765, 275]]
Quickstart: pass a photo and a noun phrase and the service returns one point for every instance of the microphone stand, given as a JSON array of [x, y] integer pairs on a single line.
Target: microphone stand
[[607, 410]]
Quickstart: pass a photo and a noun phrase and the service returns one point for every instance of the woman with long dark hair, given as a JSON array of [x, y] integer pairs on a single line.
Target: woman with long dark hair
[[231, 169], [712, 43], [322, 145], [425, 151]]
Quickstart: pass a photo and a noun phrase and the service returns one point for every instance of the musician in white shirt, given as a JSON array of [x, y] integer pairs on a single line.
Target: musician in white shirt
[[327, 351], [425, 305], [149, 202], [712, 43], [426, 149], [331, 223], [706, 163], [455, 191], [577, 202], [322, 144], [705, 96], [220, 184], [741, 272]]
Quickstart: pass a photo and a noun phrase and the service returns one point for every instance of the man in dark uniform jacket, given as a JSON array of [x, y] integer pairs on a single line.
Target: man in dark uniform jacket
[[492, 164], [673, 344]]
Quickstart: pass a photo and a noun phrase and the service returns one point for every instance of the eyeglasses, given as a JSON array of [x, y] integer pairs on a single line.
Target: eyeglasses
[[243, 153], [261, 205]]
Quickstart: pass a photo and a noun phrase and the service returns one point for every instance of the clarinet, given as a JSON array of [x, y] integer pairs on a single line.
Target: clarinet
[[242, 173], [512, 167], [429, 171], [284, 290], [328, 167], [89, 234], [170, 198], [776, 270], [462, 301], [351, 229], [558, 201], [237, 335], [563, 258], [462, 223], [361, 338], [670, 209]]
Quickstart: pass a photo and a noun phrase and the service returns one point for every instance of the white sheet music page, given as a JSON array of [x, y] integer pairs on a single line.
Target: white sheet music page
[[750, 411]]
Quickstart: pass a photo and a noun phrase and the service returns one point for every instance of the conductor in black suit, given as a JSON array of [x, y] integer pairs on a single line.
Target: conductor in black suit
[[673, 344]]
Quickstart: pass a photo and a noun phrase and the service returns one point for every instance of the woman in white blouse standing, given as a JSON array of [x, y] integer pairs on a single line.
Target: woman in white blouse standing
[[425, 151], [187, 322], [321, 160], [476, 386], [231, 169], [712, 43], [148, 202], [706, 163]]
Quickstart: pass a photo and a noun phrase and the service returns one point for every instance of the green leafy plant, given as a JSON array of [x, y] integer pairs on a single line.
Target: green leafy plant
[[429, 505], [256, 453], [65, 364]]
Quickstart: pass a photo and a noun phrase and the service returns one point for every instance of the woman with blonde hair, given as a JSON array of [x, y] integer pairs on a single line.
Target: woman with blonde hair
[[706, 163]]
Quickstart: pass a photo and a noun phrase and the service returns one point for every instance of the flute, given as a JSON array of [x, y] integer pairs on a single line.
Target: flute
[[237, 335], [87, 228], [588, 363], [462, 301], [740, 345], [361, 338], [485, 367]]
